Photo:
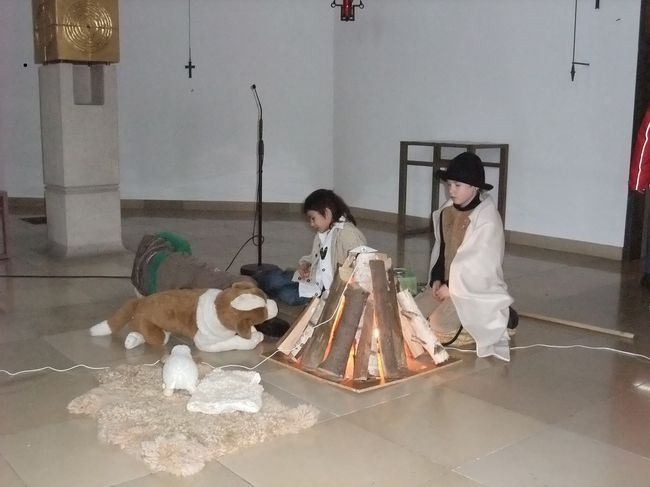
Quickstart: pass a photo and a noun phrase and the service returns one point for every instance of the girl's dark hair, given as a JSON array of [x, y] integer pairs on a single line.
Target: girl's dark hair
[[321, 199]]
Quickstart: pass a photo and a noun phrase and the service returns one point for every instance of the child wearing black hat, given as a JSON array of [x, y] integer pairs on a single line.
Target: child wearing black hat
[[471, 300]]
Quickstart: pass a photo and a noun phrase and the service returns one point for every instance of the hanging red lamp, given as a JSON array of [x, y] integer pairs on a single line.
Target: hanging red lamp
[[347, 9]]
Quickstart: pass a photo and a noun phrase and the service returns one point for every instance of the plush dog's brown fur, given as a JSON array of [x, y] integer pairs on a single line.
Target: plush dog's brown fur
[[175, 311]]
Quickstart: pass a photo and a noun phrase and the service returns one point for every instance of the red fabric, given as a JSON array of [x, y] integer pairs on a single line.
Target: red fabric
[[640, 163]]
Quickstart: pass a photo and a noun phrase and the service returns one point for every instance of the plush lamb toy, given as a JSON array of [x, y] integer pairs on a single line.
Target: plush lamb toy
[[217, 320], [180, 371]]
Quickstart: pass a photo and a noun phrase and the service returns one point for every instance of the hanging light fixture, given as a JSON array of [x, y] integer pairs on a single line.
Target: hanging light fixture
[[347, 9]]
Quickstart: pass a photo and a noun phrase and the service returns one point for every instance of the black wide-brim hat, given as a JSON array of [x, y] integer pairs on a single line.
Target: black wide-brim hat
[[466, 168]]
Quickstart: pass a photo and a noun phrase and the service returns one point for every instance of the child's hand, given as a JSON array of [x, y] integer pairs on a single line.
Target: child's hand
[[303, 269], [442, 292], [435, 285]]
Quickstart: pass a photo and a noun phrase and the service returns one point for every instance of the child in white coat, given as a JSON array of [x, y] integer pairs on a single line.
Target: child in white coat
[[336, 235]]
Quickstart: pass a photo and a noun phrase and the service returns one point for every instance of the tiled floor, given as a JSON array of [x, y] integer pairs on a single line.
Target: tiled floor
[[550, 417]]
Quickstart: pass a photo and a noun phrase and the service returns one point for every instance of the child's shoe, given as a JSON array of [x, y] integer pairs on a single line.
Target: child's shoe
[[513, 321]]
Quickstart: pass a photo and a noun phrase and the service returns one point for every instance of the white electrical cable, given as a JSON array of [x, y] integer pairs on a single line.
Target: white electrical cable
[[543, 345], [47, 367], [315, 326], [622, 352], [241, 366], [205, 363]]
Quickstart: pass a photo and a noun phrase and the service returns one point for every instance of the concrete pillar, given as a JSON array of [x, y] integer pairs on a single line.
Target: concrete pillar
[[80, 158]]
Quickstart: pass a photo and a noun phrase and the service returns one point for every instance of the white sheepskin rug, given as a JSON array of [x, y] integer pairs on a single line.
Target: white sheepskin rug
[[132, 412]]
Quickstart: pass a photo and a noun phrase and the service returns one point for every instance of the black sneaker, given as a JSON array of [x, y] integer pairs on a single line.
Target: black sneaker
[[273, 328], [513, 321]]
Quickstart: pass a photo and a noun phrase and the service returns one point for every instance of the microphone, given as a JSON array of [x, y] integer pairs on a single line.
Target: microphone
[[259, 122], [250, 269]]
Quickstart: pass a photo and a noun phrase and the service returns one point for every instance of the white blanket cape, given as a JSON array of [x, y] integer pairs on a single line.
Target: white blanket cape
[[476, 285]]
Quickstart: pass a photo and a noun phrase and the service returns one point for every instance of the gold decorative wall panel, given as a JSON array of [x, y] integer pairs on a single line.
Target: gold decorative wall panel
[[76, 31]]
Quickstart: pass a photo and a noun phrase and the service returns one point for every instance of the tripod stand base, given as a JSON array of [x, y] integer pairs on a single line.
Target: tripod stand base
[[251, 269]]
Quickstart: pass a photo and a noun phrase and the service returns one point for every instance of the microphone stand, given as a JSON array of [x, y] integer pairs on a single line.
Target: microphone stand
[[250, 269]]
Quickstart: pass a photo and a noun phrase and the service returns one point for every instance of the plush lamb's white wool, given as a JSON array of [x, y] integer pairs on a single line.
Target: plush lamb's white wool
[[224, 391], [180, 371]]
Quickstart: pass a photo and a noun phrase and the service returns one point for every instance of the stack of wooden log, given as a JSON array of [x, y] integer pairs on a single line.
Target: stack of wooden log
[[365, 329]]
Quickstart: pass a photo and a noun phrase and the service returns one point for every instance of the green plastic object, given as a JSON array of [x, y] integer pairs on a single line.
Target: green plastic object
[[406, 279]]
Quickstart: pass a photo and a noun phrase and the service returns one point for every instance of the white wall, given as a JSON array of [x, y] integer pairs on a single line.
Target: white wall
[[338, 97], [195, 140], [201, 145], [493, 71], [20, 132]]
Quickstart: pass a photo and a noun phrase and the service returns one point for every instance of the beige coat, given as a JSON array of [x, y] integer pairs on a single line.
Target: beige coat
[[343, 240]]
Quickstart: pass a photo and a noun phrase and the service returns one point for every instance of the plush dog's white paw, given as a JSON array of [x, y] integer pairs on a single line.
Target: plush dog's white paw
[[257, 337], [133, 340], [100, 329]]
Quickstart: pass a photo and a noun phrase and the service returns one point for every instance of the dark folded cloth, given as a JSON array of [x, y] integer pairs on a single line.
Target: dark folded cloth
[[164, 261]]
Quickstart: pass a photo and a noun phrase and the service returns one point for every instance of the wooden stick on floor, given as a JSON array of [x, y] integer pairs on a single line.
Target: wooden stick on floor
[[576, 324]]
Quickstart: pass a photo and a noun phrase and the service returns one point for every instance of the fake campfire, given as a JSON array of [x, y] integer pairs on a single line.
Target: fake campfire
[[366, 334]]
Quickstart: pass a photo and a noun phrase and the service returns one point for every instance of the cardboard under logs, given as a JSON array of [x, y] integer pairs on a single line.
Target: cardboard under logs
[[365, 334]]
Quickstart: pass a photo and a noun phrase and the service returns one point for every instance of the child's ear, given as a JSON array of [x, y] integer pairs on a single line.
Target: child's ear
[[328, 214]]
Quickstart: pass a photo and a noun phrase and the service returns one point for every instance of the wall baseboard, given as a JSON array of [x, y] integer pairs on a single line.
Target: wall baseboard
[[26, 205], [230, 206], [23, 205], [565, 245]]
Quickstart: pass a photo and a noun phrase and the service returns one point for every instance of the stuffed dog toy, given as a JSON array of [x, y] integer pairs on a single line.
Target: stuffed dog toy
[[164, 261], [217, 320]]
